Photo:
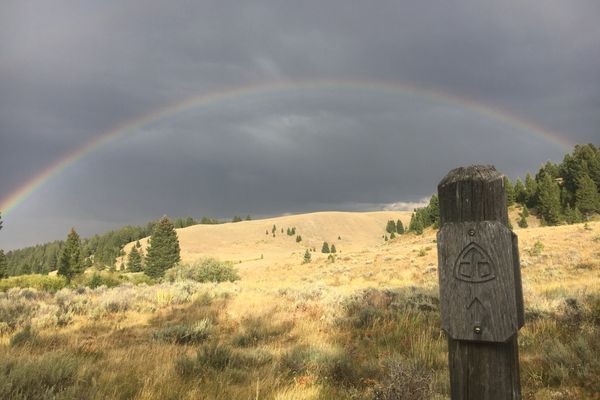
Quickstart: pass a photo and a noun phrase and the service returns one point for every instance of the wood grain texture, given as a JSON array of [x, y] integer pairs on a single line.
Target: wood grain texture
[[482, 370], [477, 285]]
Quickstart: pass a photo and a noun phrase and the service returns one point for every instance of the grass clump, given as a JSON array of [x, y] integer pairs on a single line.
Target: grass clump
[[258, 329], [25, 335], [206, 270], [185, 334], [36, 281], [51, 376]]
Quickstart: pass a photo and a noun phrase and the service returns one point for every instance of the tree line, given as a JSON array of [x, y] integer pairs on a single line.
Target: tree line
[[100, 250], [567, 192]]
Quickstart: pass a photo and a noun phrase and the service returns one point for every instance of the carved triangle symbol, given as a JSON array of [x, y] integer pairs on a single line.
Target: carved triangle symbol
[[477, 303]]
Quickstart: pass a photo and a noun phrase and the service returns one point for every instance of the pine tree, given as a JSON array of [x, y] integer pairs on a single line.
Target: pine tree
[[274, 229], [525, 211], [587, 199], [399, 227], [70, 262], [523, 221], [138, 245], [325, 248], [298, 239], [163, 252], [3, 265], [433, 212], [307, 257], [549, 200], [520, 192], [134, 261], [333, 249], [390, 227], [416, 224], [392, 235], [509, 190], [530, 191]]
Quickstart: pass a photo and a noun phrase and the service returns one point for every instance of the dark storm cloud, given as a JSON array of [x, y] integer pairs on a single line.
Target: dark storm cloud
[[71, 70]]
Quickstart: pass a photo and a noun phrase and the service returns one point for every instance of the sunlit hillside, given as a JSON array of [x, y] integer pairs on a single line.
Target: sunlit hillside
[[360, 324]]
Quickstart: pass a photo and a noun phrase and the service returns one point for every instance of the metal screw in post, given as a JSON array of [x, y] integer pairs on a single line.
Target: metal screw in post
[[477, 330], [471, 232]]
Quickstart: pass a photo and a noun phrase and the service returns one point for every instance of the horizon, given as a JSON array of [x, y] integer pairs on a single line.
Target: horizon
[[276, 108]]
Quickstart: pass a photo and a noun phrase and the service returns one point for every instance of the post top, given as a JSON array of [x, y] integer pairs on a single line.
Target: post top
[[486, 173]]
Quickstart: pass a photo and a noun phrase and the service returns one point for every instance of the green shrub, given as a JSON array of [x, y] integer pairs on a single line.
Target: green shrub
[[206, 270], [46, 283], [536, 250], [25, 335], [215, 356], [185, 334]]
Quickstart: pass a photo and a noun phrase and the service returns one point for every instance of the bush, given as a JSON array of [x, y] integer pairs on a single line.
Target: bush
[[185, 334], [405, 382], [46, 283], [51, 376], [206, 270], [25, 335]]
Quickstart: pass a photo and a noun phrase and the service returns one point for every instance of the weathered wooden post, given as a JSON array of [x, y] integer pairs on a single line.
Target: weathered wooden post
[[480, 285]]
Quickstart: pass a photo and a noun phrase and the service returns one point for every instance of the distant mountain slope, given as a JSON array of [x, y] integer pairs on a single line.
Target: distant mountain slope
[[246, 241]]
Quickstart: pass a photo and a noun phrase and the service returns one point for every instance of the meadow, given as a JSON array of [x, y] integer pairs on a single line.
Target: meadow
[[363, 324]]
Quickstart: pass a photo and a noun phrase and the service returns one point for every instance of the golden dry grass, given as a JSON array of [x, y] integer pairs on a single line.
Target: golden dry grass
[[325, 330]]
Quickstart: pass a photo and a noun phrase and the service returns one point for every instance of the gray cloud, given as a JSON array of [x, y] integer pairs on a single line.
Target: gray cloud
[[70, 71]]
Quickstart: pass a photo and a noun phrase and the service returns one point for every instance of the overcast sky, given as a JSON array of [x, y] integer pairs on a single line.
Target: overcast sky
[[71, 71]]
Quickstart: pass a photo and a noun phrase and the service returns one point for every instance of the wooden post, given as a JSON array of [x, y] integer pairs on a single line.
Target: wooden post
[[481, 298]]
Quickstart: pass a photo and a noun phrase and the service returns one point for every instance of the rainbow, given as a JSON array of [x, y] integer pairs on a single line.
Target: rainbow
[[18, 196]]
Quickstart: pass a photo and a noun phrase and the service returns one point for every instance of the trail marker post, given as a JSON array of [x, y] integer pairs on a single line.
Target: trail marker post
[[481, 296]]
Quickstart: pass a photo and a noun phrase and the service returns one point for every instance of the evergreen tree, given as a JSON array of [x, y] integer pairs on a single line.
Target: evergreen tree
[[274, 229], [433, 212], [236, 218], [525, 211], [520, 194], [163, 251], [399, 227], [523, 221], [134, 261], [587, 199], [509, 190], [573, 215], [307, 257], [333, 249], [248, 217], [530, 191], [325, 248], [392, 235], [70, 262], [549, 200], [3, 265], [391, 227], [298, 239], [138, 245], [416, 223]]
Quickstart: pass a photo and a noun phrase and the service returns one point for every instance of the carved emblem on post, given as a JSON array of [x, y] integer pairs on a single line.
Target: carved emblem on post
[[474, 265], [481, 297]]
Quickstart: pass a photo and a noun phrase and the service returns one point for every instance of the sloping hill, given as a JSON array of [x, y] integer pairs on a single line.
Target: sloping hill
[[253, 241]]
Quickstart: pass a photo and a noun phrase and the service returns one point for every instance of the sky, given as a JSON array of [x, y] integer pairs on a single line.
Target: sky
[[118, 112]]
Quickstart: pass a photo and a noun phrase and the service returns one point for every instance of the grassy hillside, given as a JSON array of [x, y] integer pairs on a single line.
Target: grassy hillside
[[363, 326]]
